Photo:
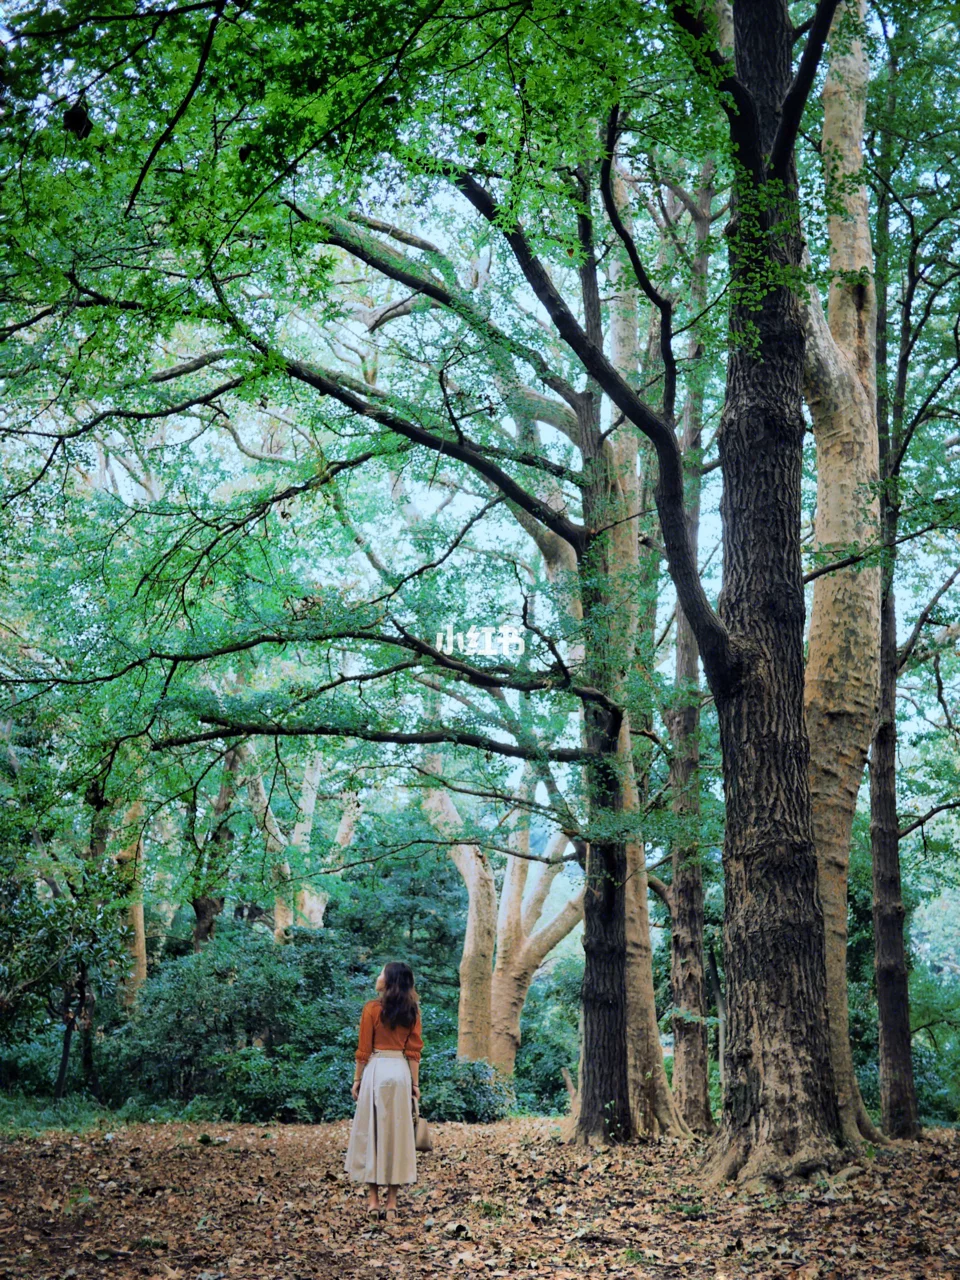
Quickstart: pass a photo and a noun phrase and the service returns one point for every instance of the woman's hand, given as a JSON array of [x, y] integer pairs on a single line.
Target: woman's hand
[[356, 1090], [415, 1090]]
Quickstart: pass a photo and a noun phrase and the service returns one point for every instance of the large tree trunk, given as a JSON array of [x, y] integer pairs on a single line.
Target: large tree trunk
[[205, 910], [780, 1113], [634, 574], [653, 1106], [843, 651]]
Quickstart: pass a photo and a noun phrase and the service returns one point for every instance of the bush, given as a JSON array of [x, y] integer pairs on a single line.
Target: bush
[[242, 998], [549, 1039], [257, 1086], [249, 1031], [32, 1066], [467, 1091]]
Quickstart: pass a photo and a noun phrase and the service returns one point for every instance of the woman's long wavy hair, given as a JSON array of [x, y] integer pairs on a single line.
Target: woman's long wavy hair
[[399, 1000]]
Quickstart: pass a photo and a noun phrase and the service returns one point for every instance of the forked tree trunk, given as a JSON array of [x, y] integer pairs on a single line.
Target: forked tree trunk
[[844, 641], [523, 943], [780, 1113]]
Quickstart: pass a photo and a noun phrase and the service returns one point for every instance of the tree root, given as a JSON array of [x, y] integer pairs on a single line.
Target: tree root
[[746, 1157]]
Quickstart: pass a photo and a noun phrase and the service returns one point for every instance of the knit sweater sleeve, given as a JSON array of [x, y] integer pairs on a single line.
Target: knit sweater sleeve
[[414, 1046], [365, 1041]]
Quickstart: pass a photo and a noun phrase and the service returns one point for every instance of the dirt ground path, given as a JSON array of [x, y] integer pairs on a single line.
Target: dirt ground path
[[215, 1202]]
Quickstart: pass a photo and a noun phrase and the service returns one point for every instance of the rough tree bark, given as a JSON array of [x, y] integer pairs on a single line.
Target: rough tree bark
[[842, 670], [780, 1113], [898, 1097]]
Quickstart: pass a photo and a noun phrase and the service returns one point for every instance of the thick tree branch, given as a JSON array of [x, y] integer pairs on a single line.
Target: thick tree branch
[[660, 301], [719, 659], [799, 91], [461, 738], [462, 449]]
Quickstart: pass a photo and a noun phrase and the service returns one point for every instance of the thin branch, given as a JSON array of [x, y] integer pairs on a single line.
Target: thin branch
[[181, 110], [931, 813], [903, 656]]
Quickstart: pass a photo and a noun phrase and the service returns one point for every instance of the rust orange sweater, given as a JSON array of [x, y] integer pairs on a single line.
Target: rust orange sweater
[[375, 1035]]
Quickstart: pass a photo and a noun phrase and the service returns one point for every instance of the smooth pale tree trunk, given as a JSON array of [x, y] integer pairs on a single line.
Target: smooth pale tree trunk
[[841, 683], [476, 961], [780, 1108], [310, 906], [492, 995], [130, 861], [278, 844]]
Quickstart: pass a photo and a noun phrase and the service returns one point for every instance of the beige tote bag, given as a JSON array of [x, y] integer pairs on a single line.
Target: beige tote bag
[[423, 1138]]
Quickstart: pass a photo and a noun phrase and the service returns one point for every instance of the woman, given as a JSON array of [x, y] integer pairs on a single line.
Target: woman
[[381, 1151]]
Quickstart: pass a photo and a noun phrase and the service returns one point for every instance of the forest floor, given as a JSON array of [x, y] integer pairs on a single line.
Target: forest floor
[[215, 1202]]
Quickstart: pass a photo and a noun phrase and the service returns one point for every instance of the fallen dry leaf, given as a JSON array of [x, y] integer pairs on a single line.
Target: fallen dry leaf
[[506, 1200]]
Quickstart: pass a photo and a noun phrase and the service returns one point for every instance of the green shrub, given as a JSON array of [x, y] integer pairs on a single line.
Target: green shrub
[[282, 1086], [31, 1066], [549, 1039], [470, 1092]]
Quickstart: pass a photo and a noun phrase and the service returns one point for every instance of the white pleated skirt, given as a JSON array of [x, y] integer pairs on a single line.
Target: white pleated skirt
[[381, 1148]]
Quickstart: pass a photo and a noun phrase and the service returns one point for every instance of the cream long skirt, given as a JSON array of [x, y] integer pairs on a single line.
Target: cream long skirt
[[381, 1147]]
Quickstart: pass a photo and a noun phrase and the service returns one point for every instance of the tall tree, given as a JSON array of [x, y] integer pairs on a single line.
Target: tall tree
[[918, 359], [843, 655], [530, 167]]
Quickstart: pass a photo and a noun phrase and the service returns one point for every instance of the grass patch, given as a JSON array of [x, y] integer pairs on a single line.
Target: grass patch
[[21, 1116]]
